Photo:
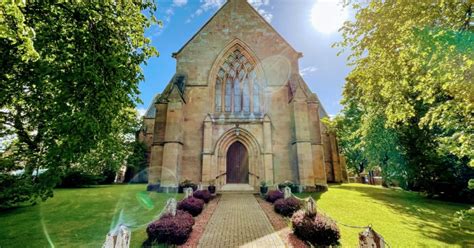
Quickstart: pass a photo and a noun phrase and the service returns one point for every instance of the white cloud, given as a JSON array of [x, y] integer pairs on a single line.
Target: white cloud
[[308, 70], [180, 3], [141, 111], [207, 5], [211, 4], [267, 15], [258, 4], [170, 11]]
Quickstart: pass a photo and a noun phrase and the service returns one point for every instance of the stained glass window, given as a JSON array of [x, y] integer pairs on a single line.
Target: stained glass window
[[218, 95], [237, 96], [228, 95], [235, 79], [246, 98], [256, 98]]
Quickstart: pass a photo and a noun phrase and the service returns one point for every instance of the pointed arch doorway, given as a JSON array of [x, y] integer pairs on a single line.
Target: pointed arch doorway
[[237, 164]]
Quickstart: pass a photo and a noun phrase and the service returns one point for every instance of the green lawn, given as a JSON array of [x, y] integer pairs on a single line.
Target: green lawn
[[81, 217], [404, 219]]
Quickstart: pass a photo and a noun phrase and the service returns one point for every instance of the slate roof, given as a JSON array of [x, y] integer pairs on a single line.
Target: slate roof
[[178, 82], [151, 110]]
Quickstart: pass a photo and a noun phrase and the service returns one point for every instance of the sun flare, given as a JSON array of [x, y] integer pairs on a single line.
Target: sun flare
[[328, 16]]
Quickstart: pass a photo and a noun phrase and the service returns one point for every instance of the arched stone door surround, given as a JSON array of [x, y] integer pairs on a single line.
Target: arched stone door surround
[[255, 158]]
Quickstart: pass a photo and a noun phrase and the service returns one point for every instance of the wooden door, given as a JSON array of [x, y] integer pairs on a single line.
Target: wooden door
[[237, 164]]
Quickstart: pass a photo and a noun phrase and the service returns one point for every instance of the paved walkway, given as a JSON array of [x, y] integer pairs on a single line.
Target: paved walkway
[[239, 221]]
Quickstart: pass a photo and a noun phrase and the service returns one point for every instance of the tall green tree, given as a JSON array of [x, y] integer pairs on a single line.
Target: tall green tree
[[69, 73], [347, 127], [413, 63], [137, 166]]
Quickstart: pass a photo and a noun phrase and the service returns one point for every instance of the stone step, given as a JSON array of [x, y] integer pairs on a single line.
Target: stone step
[[237, 188], [238, 192]]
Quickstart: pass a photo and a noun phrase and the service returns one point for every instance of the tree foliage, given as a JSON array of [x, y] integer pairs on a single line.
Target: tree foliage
[[137, 166], [409, 100], [70, 75]]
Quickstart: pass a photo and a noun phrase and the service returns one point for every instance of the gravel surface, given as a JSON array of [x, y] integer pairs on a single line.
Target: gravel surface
[[281, 225]]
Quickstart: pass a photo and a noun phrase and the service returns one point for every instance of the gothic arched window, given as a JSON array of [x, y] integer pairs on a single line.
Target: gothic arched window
[[237, 89]]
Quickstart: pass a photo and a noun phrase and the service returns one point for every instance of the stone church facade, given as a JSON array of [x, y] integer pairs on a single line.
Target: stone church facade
[[237, 111]]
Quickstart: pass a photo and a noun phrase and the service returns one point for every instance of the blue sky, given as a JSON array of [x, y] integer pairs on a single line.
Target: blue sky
[[320, 66]]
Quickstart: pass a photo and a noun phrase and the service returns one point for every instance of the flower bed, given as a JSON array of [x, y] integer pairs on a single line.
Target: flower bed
[[316, 229], [281, 224], [200, 225], [169, 229], [191, 205], [287, 207], [273, 195], [204, 195]]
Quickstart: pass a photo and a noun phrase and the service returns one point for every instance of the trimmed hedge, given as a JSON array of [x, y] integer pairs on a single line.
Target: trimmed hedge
[[318, 230], [191, 205], [287, 207], [204, 195], [172, 230], [75, 178], [273, 195]]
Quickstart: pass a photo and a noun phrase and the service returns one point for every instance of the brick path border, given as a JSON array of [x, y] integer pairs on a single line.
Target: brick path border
[[200, 223]]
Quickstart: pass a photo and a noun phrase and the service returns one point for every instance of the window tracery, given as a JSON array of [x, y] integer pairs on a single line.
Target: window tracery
[[237, 88]]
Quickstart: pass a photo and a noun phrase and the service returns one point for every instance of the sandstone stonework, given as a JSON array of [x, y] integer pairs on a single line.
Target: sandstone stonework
[[269, 109]]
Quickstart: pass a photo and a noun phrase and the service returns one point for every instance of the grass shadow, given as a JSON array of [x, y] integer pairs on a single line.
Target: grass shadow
[[316, 195], [432, 218]]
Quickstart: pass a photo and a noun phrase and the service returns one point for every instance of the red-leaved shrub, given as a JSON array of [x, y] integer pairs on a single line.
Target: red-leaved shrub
[[191, 205], [287, 207], [318, 230], [169, 229], [204, 195], [273, 195]]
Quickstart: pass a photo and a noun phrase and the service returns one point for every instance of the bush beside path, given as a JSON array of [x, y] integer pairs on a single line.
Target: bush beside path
[[403, 218]]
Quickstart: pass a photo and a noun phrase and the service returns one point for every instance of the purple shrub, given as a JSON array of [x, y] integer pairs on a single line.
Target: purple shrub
[[287, 207], [273, 195], [204, 195], [318, 230], [191, 205], [173, 230]]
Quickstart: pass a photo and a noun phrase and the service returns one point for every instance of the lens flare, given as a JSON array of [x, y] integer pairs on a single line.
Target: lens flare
[[131, 202], [328, 16], [144, 200]]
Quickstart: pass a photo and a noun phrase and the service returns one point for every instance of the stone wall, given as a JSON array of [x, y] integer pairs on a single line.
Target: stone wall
[[274, 55]]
